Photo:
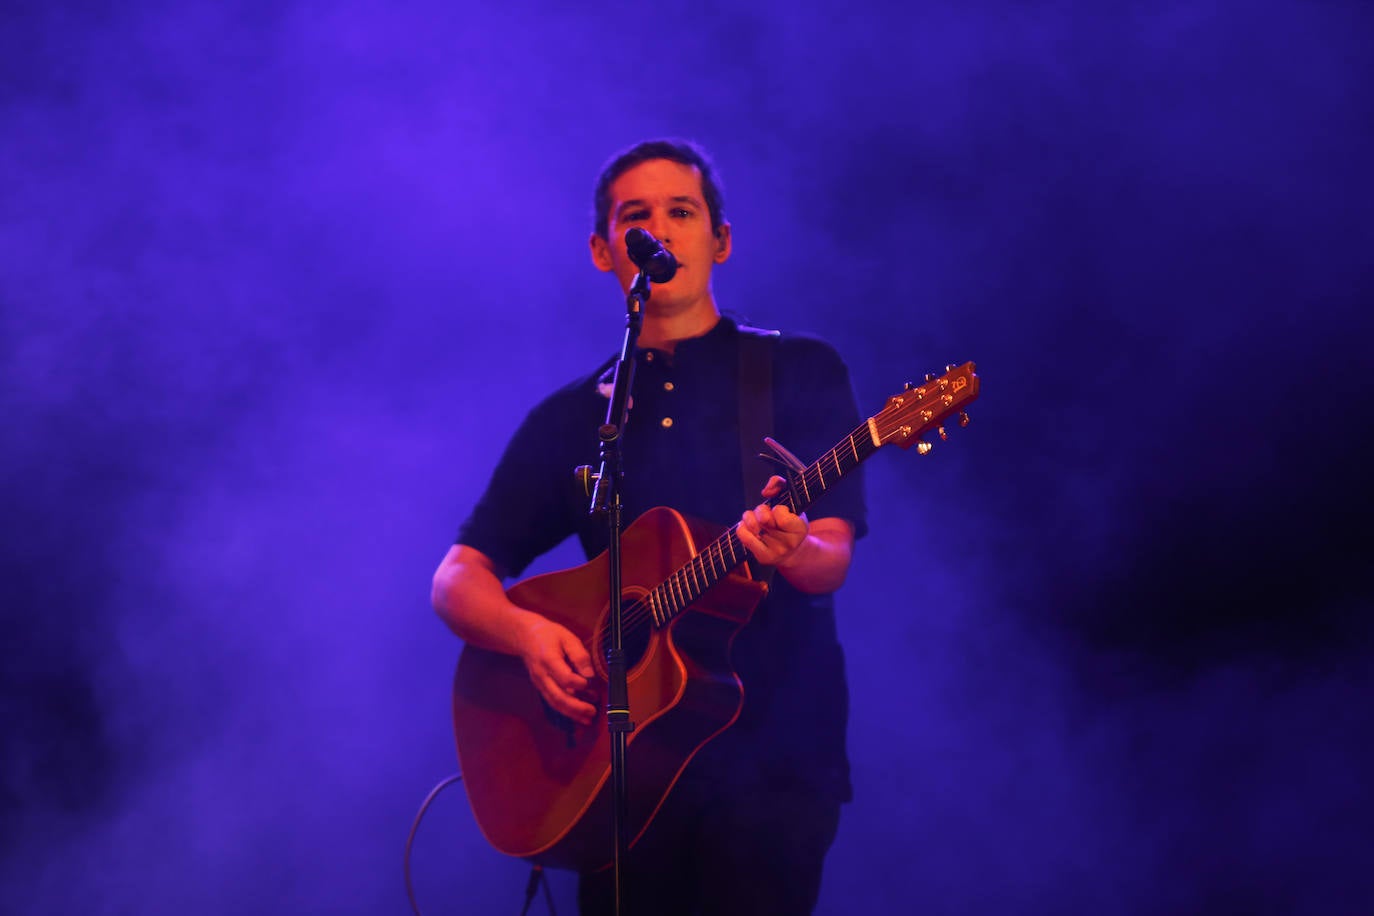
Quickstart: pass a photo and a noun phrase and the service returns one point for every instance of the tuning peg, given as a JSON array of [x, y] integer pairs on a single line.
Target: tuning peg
[[930, 376], [963, 419], [907, 386], [923, 447], [944, 436], [949, 367]]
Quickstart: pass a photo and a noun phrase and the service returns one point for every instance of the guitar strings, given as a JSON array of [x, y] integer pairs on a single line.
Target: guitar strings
[[683, 580], [684, 577]]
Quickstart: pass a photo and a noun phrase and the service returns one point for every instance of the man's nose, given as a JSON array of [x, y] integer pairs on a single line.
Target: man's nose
[[660, 227]]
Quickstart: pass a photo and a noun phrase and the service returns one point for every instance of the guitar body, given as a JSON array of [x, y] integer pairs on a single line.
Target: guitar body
[[540, 784]]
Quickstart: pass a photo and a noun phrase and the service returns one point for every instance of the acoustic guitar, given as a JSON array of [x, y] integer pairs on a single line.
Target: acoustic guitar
[[539, 783]]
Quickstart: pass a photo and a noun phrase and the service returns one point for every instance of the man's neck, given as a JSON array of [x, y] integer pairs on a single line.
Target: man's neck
[[662, 332]]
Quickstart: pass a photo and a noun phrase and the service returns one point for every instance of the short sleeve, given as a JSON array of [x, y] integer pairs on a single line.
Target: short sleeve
[[525, 509], [816, 410]]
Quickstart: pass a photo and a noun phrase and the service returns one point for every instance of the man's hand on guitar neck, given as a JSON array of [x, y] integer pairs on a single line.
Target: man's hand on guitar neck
[[468, 595], [812, 555]]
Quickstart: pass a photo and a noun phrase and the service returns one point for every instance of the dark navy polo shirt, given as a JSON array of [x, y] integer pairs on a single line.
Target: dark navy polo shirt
[[682, 449]]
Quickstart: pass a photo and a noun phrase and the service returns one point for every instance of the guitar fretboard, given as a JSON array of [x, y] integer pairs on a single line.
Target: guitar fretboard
[[726, 552]]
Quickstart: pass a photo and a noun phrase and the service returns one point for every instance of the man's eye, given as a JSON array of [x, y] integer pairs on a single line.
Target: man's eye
[[635, 216], [682, 212]]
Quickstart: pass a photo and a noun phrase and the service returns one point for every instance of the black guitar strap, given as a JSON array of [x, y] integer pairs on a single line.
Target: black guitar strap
[[755, 416]]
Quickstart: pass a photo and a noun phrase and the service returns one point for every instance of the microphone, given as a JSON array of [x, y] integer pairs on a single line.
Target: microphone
[[649, 255]]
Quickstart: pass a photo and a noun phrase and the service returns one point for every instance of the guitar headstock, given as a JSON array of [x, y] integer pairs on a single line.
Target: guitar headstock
[[918, 409]]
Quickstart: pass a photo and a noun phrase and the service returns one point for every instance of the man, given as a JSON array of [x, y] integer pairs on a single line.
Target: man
[[747, 826]]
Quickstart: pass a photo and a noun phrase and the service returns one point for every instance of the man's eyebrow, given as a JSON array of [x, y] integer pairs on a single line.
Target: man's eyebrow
[[636, 202]]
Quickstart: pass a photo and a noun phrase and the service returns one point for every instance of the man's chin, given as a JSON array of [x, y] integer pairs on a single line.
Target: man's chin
[[663, 300]]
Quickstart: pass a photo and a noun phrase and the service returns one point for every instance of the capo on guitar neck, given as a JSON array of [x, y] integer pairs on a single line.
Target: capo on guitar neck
[[789, 463]]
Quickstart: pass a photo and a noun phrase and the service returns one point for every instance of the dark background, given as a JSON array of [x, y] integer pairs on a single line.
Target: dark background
[[277, 280]]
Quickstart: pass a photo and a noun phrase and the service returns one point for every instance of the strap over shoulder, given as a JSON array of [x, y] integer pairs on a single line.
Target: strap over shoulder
[[755, 406], [757, 332], [755, 414]]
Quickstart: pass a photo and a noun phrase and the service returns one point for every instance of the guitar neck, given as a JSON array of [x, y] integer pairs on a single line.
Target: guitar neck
[[907, 415], [726, 552]]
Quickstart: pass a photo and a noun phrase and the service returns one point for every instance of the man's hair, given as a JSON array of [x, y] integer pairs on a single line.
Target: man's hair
[[683, 151]]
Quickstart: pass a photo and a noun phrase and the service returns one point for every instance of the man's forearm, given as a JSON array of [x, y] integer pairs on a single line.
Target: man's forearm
[[468, 596]]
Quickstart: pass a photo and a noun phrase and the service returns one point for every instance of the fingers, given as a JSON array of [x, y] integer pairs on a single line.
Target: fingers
[[561, 670], [768, 520], [579, 659], [569, 693], [774, 486], [771, 533]]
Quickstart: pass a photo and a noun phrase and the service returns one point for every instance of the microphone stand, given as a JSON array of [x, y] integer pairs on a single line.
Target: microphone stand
[[606, 498]]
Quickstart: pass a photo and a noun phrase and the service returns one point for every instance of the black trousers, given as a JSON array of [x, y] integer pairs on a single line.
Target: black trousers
[[721, 850]]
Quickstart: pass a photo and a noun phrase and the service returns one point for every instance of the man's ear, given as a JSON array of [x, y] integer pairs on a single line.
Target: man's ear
[[601, 253], [722, 243]]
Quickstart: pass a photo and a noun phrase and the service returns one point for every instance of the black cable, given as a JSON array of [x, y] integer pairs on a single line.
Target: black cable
[[537, 875], [410, 840]]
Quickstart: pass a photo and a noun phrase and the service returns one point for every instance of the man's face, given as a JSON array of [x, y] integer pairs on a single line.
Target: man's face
[[664, 198]]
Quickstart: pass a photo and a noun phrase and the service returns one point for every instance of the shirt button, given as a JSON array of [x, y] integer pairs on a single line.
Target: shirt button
[[649, 356], [667, 386], [667, 422]]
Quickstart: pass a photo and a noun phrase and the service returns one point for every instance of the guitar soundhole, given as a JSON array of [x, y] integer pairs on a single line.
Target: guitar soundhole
[[638, 630]]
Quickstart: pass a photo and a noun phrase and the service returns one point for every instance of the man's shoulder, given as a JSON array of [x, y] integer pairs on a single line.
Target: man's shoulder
[[789, 343], [806, 348], [748, 330]]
